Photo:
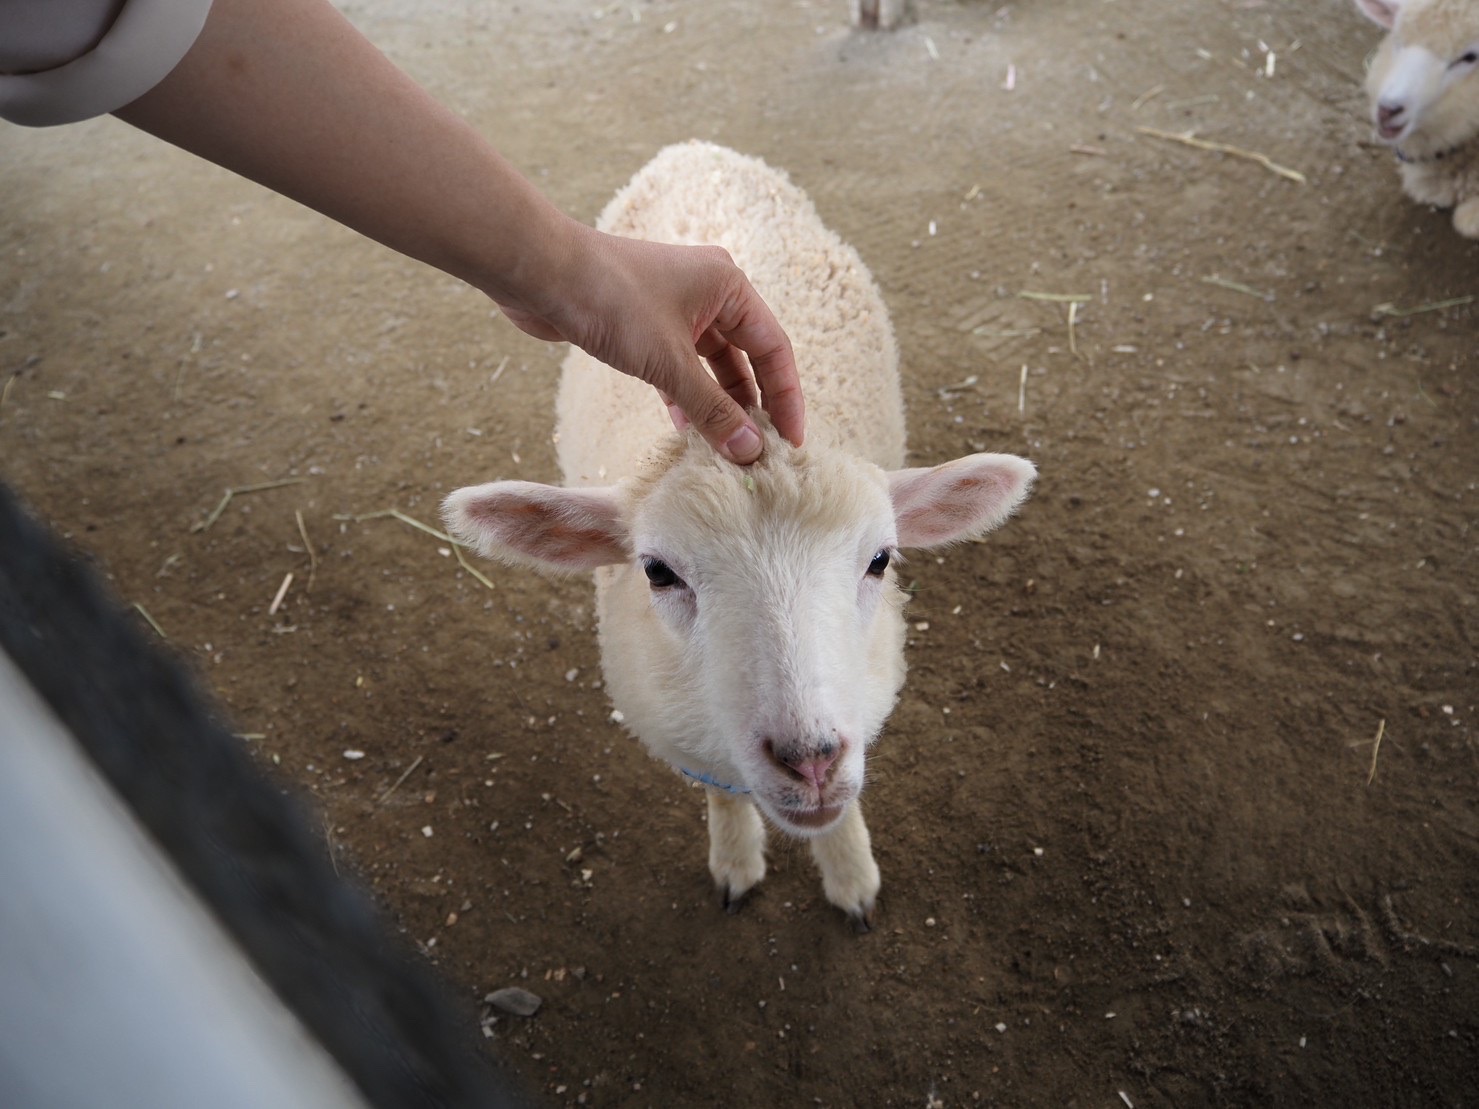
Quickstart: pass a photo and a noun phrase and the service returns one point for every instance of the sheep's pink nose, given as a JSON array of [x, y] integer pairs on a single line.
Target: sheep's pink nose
[[1386, 113], [809, 763]]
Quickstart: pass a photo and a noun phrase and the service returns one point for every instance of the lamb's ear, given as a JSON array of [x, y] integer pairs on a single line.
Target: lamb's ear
[[545, 526], [963, 499], [1381, 12]]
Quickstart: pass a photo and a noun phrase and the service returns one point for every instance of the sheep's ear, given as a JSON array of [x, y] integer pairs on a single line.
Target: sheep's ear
[[1381, 12], [545, 526], [958, 500]]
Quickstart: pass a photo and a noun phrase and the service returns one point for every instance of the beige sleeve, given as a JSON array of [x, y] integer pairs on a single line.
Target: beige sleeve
[[62, 61]]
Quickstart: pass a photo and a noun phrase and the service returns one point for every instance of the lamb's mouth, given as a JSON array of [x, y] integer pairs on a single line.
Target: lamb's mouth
[[813, 820]]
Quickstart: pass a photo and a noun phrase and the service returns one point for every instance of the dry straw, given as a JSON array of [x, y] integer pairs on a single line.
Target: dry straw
[[1435, 306], [1189, 139], [239, 490], [411, 521], [1381, 730], [144, 612], [307, 546]]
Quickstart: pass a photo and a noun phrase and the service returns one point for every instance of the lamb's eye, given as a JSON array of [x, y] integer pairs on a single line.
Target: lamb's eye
[[1468, 59], [660, 574], [879, 563]]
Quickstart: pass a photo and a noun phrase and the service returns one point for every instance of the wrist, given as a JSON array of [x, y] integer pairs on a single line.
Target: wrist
[[530, 266]]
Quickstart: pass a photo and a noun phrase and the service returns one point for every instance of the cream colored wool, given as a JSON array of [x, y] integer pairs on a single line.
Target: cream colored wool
[[816, 285], [1424, 78]]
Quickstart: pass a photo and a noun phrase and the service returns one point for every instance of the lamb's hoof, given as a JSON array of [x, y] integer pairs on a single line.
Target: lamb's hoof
[[736, 873], [853, 889], [732, 902], [737, 881]]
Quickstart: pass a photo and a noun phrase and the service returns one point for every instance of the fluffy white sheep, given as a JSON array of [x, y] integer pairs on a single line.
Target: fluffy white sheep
[[1424, 89], [751, 626]]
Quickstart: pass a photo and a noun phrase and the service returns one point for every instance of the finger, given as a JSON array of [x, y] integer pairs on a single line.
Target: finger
[[731, 368], [680, 421], [715, 415], [747, 323]]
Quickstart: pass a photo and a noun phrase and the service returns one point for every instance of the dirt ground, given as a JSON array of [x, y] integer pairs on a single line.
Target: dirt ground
[[1133, 849]]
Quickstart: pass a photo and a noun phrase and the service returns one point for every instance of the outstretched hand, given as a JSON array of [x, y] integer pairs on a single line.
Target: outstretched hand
[[378, 154], [653, 310]]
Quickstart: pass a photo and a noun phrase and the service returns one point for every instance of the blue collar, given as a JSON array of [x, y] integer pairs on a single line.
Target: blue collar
[[709, 781]]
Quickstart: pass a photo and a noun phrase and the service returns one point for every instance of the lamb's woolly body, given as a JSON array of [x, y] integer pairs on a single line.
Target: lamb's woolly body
[[816, 285], [750, 621], [1414, 68], [609, 430]]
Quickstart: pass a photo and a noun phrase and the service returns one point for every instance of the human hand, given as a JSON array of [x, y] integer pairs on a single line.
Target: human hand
[[653, 310], [378, 154]]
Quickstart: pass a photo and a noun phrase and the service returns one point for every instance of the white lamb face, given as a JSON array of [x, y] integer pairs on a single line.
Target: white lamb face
[[751, 626], [1425, 76], [772, 607]]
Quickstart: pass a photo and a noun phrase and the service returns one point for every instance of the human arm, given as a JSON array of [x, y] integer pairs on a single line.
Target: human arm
[[289, 94]]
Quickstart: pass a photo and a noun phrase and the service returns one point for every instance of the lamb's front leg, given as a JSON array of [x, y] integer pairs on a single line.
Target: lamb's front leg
[[850, 878], [1427, 183], [1466, 218], [736, 846]]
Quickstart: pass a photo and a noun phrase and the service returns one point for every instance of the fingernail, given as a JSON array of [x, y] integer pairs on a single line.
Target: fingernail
[[743, 445]]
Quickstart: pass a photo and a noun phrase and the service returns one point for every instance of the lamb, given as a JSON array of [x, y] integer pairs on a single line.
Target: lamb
[[750, 620], [1424, 93]]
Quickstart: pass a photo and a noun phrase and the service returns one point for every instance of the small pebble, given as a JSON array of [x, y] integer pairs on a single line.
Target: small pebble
[[512, 999]]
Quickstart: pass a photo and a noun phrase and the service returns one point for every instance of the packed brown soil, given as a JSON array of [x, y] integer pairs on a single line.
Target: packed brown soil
[[1179, 803]]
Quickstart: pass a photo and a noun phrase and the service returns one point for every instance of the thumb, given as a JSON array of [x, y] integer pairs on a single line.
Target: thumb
[[716, 416]]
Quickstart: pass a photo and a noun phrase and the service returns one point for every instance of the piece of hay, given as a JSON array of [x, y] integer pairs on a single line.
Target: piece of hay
[[1188, 139], [411, 521], [282, 591], [1149, 94], [1061, 298], [144, 612], [308, 546], [400, 781], [1237, 287], [1381, 730], [239, 490], [1435, 306]]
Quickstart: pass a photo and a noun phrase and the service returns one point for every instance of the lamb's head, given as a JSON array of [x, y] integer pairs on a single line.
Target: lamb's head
[[1424, 80], [751, 619]]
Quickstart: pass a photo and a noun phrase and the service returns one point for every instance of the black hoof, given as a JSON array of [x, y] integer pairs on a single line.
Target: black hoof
[[732, 903]]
